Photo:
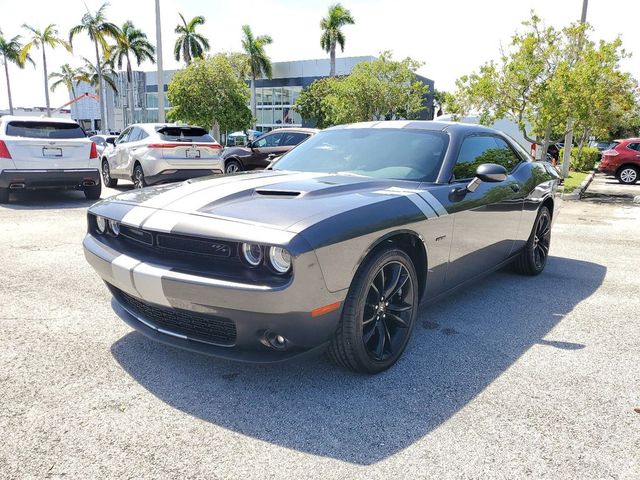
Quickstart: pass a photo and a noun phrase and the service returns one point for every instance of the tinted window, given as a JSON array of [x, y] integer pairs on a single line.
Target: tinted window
[[184, 134], [634, 146], [477, 150], [274, 140], [402, 154], [124, 136], [294, 138], [44, 129]]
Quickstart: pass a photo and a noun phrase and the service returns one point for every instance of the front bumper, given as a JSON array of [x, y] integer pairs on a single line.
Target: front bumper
[[184, 309], [37, 179], [173, 175]]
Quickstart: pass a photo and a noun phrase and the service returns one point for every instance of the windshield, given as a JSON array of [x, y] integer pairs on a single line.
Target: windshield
[[390, 153]]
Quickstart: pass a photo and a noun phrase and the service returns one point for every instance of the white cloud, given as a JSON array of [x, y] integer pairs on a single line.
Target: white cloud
[[451, 37]]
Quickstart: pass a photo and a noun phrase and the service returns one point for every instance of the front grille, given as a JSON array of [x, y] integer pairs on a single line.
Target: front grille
[[196, 326]]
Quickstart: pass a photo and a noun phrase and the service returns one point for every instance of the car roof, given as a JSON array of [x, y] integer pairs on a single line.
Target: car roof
[[34, 118], [432, 125]]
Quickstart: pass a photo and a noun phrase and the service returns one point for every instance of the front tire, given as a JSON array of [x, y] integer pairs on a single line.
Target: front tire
[[232, 166], [106, 175], [533, 257], [378, 314], [93, 193], [138, 177], [628, 175]]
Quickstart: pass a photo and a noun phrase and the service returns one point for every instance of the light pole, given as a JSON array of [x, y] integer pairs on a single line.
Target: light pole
[[568, 138], [159, 63]]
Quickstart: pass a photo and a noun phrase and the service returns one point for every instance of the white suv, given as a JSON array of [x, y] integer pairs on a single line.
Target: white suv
[[40, 153], [154, 153]]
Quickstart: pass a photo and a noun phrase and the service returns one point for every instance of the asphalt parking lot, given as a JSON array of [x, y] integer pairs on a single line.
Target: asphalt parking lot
[[516, 377]]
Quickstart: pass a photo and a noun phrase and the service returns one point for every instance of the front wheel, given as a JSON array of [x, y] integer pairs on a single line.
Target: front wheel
[[138, 177], [232, 166], [628, 175], [533, 257], [379, 313], [106, 175]]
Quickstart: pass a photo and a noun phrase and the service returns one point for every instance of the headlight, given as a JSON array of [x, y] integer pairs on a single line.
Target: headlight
[[115, 227], [252, 254], [101, 224], [279, 259]]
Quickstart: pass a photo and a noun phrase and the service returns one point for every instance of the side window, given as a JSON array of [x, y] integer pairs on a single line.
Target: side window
[[275, 140], [504, 156], [261, 142], [634, 146], [142, 135], [294, 138], [474, 151], [124, 136]]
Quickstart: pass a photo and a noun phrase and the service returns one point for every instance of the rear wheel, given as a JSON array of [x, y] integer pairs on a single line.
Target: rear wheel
[[106, 175], [94, 192], [4, 195], [533, 257], [378, 314], [138, 177], [232, 166], [628, 175]]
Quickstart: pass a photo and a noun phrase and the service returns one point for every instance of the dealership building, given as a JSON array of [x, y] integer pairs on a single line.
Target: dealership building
[[274, 97]]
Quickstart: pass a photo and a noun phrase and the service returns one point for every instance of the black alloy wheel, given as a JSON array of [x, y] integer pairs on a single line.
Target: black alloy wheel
[[533, 257], [379, 313]]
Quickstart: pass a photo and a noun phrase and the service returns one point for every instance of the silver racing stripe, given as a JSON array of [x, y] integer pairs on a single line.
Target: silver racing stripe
[[434, 203]]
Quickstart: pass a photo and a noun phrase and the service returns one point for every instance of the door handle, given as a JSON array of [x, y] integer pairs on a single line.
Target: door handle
[[515, 187]]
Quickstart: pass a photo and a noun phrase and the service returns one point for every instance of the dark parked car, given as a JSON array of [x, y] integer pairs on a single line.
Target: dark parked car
[[259, 153], [334, 247], [622, 160]]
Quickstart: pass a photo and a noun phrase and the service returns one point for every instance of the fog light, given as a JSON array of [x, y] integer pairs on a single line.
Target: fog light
[[101, 224], [115, 227]]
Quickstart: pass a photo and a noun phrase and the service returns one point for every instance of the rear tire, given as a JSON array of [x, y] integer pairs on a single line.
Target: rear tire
[[94, 192], [628, 175], [232, 166], [378, 314], [106, 175], [4, 195], [138, 177], [533, 257]]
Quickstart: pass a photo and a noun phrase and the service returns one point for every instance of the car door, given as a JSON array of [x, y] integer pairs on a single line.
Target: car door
[[262, 148], [486, 221], [115, 154], [134, 142]]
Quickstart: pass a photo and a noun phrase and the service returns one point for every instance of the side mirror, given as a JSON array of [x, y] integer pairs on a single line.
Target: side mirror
[[250, 145], [111, 140], [487, 172]]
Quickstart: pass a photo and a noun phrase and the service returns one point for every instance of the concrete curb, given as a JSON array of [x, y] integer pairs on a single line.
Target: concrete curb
[[577, 193]]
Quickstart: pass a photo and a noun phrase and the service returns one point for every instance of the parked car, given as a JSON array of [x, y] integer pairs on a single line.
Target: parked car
[[601, 146], [155, 153], [102, 142], [37, 153], [622, 160], [334, 248], [259, 153]]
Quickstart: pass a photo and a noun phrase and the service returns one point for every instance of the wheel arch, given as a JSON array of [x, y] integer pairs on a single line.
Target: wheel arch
[[549, 203], [628, 164], [412, 244], [234, 158]]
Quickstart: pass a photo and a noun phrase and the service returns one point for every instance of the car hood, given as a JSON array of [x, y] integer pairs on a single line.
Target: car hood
[[274, 199]]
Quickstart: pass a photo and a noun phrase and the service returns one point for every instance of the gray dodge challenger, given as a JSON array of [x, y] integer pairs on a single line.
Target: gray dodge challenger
[[331, 249]]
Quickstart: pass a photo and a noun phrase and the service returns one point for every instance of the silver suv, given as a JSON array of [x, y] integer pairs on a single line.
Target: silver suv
[[154, 153]]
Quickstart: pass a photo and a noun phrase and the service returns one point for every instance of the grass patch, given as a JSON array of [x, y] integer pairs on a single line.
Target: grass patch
[[573, 181]]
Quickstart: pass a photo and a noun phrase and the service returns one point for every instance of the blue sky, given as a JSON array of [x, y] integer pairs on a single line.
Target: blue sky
[[451, 37]]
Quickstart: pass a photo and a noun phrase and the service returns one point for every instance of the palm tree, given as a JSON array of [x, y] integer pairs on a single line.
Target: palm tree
[[67, 76], [190, 44], [160, 69], [332, 35], [92, 75], [98, 29], [40, 39], [132, 42], [259, 62], [10, 52]]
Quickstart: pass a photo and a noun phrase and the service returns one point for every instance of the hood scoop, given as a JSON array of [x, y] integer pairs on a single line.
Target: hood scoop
[[266, 192]]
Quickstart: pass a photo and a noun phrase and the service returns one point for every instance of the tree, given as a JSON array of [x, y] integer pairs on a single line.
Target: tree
[[209, 92], [190, 44], [92, 74], [544, 77], [258, 61], [10, 51], [41, 39], [384, 89], [131, 42], [98, 29], [67, 76], [332, 34]]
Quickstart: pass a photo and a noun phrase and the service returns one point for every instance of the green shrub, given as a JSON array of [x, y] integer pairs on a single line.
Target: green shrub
[[583, 161]]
